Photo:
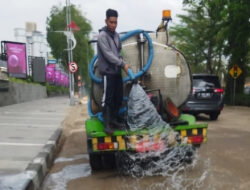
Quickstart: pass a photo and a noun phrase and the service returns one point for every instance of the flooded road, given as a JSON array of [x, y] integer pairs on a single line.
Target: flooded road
[[222, 163]]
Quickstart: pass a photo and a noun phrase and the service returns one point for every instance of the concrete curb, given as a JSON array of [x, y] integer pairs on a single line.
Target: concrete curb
[[38, 168]]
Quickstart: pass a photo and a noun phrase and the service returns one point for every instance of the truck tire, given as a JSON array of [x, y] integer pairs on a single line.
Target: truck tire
[[122, 163], [214, 115], [95, 161], [127, 166], [108, 161]]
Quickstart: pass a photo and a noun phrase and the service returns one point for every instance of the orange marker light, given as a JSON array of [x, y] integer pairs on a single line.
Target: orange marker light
[[166, 14]]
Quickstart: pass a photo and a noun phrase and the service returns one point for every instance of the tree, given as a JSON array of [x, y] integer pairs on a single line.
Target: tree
[[238, 36], [185, 39], [200, 36], [216, 28], [58, 43]]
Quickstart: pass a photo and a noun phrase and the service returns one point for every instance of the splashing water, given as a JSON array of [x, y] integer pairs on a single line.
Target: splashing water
[[183, 177], [141, 111], [161, 157], [155, 148], [152, 163], [162, 165]]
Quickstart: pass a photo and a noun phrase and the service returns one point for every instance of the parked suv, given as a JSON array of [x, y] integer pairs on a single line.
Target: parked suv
[[206, 96]]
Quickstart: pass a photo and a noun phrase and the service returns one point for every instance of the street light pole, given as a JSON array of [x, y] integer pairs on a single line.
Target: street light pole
[[70, 54]]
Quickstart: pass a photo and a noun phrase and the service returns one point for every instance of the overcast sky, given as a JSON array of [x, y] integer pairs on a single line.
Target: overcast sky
[[133, 14]]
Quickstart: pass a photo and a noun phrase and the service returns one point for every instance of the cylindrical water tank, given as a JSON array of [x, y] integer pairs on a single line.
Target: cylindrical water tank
[[169, 72]]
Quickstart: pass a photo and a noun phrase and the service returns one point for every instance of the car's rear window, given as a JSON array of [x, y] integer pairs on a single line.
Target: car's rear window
[[206, 81]]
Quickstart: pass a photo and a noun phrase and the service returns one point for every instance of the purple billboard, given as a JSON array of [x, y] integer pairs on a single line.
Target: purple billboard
[[62, 79], [65, 80], [50, 74], [16, 65], [57, 77]]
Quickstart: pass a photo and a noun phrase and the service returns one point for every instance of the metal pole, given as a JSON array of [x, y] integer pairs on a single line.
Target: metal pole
[[141, 41], [234, 92], [70, 54]]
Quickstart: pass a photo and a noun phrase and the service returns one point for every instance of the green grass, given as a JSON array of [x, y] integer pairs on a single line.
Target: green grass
[[28, 80], [56, 90], [51, 89]]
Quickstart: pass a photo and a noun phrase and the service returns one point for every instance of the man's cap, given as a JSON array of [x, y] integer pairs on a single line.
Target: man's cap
[[111, 13]]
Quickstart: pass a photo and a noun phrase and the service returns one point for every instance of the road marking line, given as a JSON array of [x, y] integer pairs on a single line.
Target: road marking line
[[30, 118], [31, 113], [30, 125], [19, 144], [51, 142]]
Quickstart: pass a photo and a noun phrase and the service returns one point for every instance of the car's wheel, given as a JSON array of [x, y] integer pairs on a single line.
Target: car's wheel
[[195, 114], [214, 115], [95, 161]]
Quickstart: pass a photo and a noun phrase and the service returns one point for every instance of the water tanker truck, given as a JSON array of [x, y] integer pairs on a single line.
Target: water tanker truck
[[165, 77]]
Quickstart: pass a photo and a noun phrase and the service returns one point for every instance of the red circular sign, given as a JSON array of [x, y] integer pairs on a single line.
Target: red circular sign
[[73, 67]]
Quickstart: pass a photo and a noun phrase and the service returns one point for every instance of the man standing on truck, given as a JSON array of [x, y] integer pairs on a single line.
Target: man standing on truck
[[110, 63]]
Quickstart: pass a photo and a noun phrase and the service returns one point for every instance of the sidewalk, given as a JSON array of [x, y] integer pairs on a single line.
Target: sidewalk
[[28, 136]]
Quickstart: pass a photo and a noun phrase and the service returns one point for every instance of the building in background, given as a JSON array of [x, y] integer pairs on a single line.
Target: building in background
[[36, 43], [29, 56]]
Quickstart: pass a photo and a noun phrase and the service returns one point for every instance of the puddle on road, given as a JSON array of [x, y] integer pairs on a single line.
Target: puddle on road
[[76, 157], [58, 181], [161, 176]]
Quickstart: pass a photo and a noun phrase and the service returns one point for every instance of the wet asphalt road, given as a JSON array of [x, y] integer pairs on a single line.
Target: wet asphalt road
[[222, 163]]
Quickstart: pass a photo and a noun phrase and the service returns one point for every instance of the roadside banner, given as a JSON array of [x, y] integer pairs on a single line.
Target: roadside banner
[[16, 64], [50, 74], [62, 79], [57, 77], [65, 80]]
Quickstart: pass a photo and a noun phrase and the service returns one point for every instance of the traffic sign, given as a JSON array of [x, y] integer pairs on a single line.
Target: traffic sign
[[73, 67], [235, 71]]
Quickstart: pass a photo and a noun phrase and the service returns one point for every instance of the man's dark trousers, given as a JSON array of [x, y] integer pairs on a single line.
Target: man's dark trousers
[[113, 94]]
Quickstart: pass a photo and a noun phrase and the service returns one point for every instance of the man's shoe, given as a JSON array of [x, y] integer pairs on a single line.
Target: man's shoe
[[108, 130]]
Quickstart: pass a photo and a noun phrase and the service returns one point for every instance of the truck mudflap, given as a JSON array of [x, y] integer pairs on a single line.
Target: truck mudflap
[[141, 140]]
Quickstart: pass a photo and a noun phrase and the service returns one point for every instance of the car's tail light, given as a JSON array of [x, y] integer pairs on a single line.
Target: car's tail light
[[219, 90], [150, 146], [184, 108]]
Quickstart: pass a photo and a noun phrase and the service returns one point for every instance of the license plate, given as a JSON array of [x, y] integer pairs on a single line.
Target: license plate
[[150, 146], [204, 95]]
